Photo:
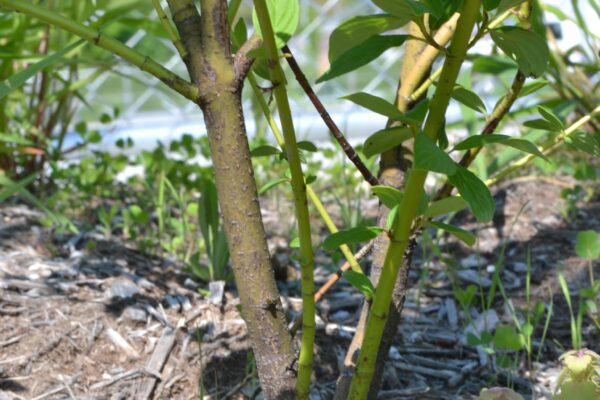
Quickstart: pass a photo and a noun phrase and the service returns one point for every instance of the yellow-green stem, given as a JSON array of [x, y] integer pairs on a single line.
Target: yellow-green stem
[[400, 232], [96, 37], [547, 148], [299, 188], [166, 23], [311, 193], [427, 83]]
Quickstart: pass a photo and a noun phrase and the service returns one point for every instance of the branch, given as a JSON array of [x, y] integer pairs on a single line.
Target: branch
[[305, 359], [401, 227], [413, 96], [335, 131], [187, 21], [423, 64], [97, 38], [241, 61], [164, 20], [547, 148], [499, 112]]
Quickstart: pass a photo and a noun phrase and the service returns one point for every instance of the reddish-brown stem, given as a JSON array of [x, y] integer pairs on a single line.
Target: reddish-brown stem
[[335, 131]]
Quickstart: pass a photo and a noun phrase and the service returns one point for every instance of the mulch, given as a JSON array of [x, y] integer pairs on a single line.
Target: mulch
[[90, 317]]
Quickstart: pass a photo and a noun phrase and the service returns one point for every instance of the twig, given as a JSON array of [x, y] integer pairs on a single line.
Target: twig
[[335, 131], [333, 279], [242, 62], [490, 127], [12, 340], [57, 389], [124, 375], [120, 341], [67, 386], [164, 20], [157, 361], [240, 385]]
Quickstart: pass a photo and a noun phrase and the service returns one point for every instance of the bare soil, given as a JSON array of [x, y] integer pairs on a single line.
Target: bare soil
[[90, 317]]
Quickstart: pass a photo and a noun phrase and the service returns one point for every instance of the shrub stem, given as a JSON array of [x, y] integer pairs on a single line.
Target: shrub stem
[[401, 229], [299, 188]]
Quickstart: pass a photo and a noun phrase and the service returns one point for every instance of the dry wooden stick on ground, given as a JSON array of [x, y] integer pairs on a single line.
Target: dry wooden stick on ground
[[157, 361]]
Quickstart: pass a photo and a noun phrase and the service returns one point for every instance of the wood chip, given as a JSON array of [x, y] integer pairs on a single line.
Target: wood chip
[[120, 342], [157, 361]]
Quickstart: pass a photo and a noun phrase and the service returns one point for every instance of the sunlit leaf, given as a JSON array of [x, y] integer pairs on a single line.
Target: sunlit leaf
[[284, 15], [527, 48], [361, 282], [361, 55], [428, 156], [353, 32], [351, 236], [475, 192], [385, 139]]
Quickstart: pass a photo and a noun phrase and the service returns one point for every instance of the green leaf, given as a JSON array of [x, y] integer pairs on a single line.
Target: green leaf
[[541, 124], [271, 184], [587, 245], [385, 108], [239, 34], [295, 243], [93, 136], [506, 338], [11, 187], [527, 48], [385, 139], [361, 54], [428, 156], [403, 8], [507, 4], [208, 213], [586, 390], [310, 179], [353, 32], [17, 80], [418, 113], [495, 65], [388, 195], [139, 216], [307, 146], [105, 118], [361, 282], [465, 296], [489, 5], [375, 104], [481, 140], [466, 236], [468, 98], [586, 142], [15, 138], [551, 117], [475, 192], [284, 15], [533, 87], [351, 236], [445, 206], [264, 150], [525, 146], [391, 218]]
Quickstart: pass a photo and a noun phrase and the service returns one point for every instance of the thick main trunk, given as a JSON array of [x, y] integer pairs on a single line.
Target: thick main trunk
[[261, 307], [208, 58]]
